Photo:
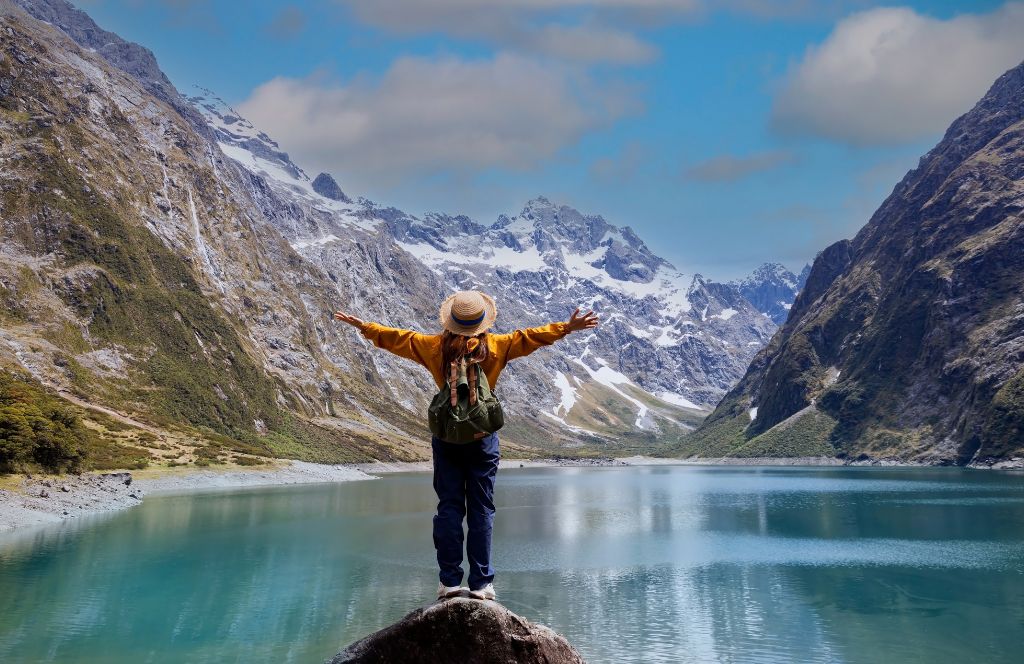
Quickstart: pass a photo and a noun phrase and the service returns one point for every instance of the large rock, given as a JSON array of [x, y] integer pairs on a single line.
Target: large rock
[[462, 630]]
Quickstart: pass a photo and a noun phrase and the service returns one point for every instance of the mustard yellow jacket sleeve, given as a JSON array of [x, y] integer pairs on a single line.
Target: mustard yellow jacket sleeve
[[520, 343], [418, 347]]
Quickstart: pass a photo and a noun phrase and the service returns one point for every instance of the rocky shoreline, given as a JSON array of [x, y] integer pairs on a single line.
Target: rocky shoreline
[[38, 501], [43, 500]]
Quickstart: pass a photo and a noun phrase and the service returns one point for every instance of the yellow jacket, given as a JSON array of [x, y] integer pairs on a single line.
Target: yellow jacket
[[426, 348]]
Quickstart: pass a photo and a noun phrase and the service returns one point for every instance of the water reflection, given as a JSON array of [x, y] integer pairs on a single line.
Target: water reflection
[[668, 564]]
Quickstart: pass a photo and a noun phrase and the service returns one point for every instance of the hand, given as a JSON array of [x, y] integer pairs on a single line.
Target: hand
[[585, 322], [346, 318]]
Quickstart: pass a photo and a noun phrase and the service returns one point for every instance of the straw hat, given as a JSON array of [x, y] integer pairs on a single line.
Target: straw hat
[[468, 313]]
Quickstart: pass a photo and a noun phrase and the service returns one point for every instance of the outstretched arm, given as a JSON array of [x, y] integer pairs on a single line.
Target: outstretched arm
[[587, 321], [523, 342], [348, 318], [404, 343]]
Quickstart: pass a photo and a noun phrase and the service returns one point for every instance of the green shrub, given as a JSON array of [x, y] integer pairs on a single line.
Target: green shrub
[[36, 429], [806, 435], [108, 454]]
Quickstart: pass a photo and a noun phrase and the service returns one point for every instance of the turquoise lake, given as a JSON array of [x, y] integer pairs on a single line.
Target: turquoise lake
[[633, 564]]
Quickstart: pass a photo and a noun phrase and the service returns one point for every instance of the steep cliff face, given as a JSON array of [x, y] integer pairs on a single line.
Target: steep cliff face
[[907, 341], [133, 59], [138, 274]]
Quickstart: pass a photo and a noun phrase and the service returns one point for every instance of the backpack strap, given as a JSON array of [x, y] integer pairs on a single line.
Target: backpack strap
[[453, 381], [474, 377]]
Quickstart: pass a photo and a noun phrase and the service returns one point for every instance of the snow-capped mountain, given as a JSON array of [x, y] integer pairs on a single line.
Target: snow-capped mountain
[[772, 289], [677, 337]]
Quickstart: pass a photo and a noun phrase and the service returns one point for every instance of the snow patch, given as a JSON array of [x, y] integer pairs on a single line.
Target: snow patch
[[568, 394], [505, 257], [679, 400], [637, 332], [611, 379], [315, 242]]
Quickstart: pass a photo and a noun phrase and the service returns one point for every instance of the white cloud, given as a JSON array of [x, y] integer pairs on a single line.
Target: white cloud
[[588, 31], [730, 168], [288, 23], [587, 43], [892, 75], [415, 15], [563, 29], [623, 166], [434, 116]]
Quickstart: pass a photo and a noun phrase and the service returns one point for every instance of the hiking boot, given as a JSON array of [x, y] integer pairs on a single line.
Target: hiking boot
[[444, 592], [487, 592]]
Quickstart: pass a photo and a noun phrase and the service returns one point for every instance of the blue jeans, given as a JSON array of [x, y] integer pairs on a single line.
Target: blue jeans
[[464, 482]]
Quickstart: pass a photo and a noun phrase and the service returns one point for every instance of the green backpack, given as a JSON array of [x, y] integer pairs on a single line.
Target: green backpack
[[465, 410]]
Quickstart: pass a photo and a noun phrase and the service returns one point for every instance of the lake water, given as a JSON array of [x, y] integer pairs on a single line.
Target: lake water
[[636, 564]]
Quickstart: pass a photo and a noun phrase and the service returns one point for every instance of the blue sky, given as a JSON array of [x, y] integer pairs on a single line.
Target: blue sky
[[727, 133]]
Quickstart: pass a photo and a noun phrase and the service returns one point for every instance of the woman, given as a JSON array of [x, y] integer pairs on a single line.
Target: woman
[[464, 473]]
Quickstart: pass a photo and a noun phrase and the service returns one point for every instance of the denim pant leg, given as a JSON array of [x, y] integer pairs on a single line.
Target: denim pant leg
[[482, 471], [450, 486]]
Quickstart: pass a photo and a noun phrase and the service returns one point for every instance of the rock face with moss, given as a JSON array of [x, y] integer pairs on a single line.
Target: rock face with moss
[[907, 342], [138, 275], [462, 631]]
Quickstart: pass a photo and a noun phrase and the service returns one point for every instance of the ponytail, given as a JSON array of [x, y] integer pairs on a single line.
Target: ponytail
[[454, 347]]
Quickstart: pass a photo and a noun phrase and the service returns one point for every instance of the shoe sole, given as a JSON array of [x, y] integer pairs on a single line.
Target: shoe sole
[[481, 596], [450, 594]]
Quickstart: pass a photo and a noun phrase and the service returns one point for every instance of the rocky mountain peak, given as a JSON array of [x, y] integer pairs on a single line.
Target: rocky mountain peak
[[238, 137], [772, 289], [999, 110], [561, 229], [327, 186], [135, 60], [776, 273]]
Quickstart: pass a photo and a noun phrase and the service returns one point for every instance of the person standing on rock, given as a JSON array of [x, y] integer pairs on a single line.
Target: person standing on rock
[[464, 473]]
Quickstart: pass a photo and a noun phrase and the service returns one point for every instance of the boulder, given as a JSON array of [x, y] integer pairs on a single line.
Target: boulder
[[462, 630]]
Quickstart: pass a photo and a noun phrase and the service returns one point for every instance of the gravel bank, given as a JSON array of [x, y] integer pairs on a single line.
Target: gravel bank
[[294, 472], [762, 461], [40, 501], [46, 500]]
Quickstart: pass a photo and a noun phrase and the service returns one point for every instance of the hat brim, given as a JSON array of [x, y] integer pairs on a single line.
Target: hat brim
[[445, 317]]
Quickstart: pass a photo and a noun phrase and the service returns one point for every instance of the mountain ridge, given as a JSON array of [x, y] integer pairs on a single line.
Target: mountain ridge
[[907, 342], [542, 236]]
